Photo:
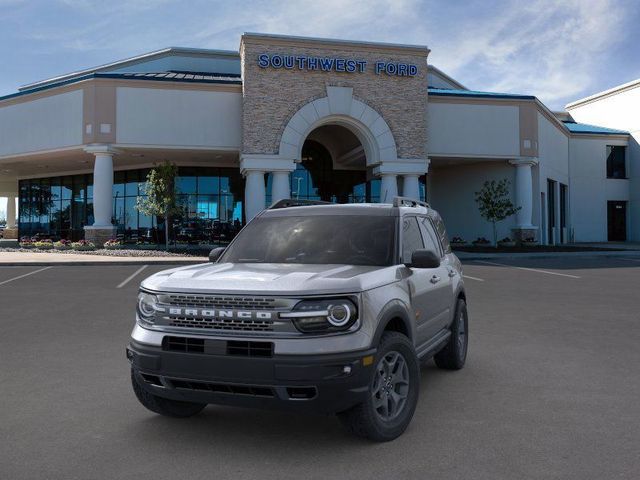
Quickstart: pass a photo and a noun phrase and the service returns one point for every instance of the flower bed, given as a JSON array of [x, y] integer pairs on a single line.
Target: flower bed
[[113, 244], [83, 245], [61, 245]]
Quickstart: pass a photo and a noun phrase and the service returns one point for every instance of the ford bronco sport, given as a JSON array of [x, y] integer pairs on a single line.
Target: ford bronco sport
[[312, 307]]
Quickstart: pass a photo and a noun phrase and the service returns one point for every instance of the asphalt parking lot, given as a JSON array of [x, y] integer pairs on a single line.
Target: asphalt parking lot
[[551, 388]]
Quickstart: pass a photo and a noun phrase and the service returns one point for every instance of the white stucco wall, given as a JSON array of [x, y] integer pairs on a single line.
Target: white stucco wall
[[589, 189], [459, 129], [621, 111], [45, 123], [452, 193], [188, 118], [553, 164]]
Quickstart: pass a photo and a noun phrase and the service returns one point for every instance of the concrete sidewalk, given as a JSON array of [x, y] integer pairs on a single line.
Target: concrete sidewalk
[[465, 256], [37, 259]]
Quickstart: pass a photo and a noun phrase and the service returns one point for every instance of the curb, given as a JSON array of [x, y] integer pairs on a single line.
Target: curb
[[553, 255], [95, 264]]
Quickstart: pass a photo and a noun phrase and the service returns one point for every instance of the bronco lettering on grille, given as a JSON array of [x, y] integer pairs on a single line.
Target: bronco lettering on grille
[[209, 313]]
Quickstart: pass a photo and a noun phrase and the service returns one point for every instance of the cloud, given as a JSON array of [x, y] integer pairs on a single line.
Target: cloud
[[549, 49], [557, 50]]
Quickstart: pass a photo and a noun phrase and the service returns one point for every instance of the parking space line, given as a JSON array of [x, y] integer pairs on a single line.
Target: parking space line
[[528, 269], [473, 278], [25, 275], [132, 276]]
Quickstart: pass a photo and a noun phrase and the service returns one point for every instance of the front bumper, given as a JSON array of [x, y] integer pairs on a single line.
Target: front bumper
[[306, 383]]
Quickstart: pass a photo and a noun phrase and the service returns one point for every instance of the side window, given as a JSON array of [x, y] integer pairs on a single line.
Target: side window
[[442, 234], [430, 238], [411, 238]]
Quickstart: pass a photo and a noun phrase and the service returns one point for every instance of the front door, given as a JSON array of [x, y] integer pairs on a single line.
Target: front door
[[617, 221], [429, 287]]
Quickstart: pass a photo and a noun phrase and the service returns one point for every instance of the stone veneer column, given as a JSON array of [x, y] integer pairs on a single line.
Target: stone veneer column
[[524, 198], [102, 228], [254, 193]]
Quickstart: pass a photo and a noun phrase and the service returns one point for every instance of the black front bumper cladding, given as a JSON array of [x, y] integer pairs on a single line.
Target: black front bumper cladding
[[306, 383]]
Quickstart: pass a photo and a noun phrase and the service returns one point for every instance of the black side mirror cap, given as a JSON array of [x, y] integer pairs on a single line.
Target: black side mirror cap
[[215, 254], [424, 259]]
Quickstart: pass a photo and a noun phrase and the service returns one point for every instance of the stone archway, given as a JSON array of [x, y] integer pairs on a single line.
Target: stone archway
[[340, 108]]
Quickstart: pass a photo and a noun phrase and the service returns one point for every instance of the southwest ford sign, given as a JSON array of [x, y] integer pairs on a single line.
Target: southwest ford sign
[[332, 64]]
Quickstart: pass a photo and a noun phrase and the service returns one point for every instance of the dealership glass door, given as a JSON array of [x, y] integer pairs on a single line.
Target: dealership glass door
[[617, 221], [551, 211], [563, 213]]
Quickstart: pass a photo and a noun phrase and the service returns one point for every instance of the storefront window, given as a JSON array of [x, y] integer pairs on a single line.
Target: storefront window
[[210, 201]]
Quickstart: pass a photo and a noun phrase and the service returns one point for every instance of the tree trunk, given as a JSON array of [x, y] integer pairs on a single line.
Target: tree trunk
[[495, 235], [166, 230]]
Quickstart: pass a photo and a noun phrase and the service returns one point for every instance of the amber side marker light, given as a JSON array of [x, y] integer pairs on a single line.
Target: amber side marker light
[[368, 360]]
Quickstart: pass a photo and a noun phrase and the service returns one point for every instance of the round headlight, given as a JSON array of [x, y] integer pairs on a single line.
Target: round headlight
[[146, 305], [339, 314]]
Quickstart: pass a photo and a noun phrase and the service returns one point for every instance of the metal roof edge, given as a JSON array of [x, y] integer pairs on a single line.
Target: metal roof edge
[[129, 61], [603, 93]]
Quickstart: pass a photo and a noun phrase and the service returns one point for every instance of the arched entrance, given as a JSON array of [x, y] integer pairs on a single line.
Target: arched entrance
[[333, 168]]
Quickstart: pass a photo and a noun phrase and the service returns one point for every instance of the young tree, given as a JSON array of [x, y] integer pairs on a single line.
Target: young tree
[[494, 203], [161, 198]]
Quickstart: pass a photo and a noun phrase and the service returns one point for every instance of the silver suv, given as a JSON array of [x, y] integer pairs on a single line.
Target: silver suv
[[313, 307]]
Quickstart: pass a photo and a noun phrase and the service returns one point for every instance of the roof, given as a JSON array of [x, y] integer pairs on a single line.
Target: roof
[[449, 92], [225, 78], [132, 61], [604, 93], [585, 128]]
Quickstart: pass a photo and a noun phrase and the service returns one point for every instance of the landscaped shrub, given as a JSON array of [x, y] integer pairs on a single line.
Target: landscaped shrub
[[83, 245], [43, 244], [481, 241], [113, 244], [62, 244]]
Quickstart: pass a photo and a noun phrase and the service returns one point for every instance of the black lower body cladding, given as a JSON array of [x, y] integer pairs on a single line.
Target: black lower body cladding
[[305, 383]]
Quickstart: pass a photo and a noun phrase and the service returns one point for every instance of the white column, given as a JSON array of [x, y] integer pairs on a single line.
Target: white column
[[388, 188], [11, 211], [103, 189], [254, 193], [524, 192], [411, 187], [280, 188]]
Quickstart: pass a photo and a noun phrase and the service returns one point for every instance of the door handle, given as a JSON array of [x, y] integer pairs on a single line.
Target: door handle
[[435, 279], [452, 273]]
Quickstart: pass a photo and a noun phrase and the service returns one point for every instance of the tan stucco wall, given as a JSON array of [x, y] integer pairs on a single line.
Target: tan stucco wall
[[271, 96]]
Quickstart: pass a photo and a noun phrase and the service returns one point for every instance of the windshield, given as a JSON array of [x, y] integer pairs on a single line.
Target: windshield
[[339, 239]]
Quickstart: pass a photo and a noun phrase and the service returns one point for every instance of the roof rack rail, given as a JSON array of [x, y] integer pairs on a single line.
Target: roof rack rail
[[290, 202], [409, 202]]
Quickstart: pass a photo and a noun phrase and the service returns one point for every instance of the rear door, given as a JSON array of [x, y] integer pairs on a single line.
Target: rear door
[[424, 283]]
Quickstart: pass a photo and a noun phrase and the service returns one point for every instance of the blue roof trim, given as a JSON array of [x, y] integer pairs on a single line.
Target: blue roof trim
[[585, 128], [156, 77], [450, 92]]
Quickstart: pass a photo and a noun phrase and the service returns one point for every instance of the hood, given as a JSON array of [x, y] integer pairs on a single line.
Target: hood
[[271, 279]]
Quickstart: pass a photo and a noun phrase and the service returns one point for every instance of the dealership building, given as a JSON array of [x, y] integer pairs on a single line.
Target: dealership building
[[306, 118]]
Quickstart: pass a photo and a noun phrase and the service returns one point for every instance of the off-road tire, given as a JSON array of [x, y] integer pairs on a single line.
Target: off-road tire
[[454, 354], [164, 406], [363, 419]]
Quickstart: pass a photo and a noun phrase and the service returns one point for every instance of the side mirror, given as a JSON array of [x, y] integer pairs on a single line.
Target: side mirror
[[424, 259], [215, 254]]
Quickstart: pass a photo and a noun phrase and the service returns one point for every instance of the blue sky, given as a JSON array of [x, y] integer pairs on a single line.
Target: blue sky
[[557, 50]]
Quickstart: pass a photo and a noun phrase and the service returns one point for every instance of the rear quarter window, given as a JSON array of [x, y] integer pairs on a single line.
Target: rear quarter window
[[442, 233]]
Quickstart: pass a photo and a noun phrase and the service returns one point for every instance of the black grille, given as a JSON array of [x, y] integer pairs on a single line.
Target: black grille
[[216, 301], [222, 324], [217, 347], [250, 349], [183, 344], [251, 390]]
